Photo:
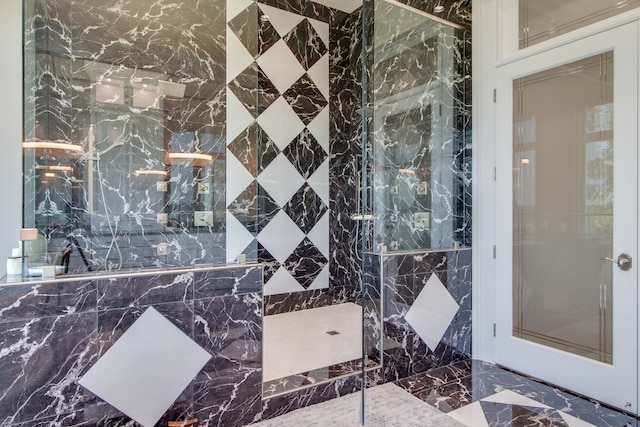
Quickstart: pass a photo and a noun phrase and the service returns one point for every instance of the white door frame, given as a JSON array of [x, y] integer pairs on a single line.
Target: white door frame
[[488, 53]]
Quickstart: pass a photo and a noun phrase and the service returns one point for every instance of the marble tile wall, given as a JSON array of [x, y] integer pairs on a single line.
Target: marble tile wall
[[430, 281], [278, 141], [51, 333]]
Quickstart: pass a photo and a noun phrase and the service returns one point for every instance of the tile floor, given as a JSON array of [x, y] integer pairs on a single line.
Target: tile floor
[[300, 350], [473, 393], [480, 394]]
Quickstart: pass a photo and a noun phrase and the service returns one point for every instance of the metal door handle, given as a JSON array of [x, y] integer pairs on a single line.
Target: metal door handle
[[624, 261]]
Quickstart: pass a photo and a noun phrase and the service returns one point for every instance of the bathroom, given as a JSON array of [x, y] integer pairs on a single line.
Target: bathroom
[[225, 166]]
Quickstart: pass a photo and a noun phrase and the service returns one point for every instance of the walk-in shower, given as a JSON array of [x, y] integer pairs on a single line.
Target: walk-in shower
[[319, 142]]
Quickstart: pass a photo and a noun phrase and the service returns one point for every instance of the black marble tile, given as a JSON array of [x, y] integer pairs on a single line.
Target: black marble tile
[[305, 153], [305, 208], [243, 148], [44, 299], [245, 27], [305, 99], [296, 301], [282, 404], [305, 263], [227, 281], [41, 362], [129, 291], [230, 328], [232, 399], [306, 44], [267, 150]]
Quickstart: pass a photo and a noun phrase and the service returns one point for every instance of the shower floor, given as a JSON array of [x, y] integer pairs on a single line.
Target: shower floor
[[305, 347]]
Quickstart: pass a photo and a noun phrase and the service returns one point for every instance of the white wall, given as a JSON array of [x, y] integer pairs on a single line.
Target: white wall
[[10, 127], [484, 39]]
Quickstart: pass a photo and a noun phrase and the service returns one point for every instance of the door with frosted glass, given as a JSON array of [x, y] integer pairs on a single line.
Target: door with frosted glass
[[566, 209]]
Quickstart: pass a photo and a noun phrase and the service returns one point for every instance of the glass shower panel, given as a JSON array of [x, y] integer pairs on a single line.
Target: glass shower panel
[[125, 128], [563, 207], [540, 20], [417, 130]]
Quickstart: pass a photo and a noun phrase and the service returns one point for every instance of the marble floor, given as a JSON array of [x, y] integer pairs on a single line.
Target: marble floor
[[480, 394], [467, 393]]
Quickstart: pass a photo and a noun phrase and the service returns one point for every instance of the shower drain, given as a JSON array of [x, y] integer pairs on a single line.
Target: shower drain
[[333, 332]]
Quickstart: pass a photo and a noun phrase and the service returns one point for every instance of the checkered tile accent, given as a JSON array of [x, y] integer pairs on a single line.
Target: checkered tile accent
[[278, 144]]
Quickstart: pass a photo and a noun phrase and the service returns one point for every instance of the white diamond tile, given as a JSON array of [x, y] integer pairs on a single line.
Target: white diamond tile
[[234, 7], [281, 20], [322, 28], [241, 58], [319, 73], [348, 6], [281, 123], [238, 237], [281, 237], [147, 369], [281, 179], [573, 421], [432, 312], [281, 66], [238, 178], [470, 415], [322, 280], [319, 128], [509, 397], [319, 181], [319, 235], [238, 118], [282, 283]]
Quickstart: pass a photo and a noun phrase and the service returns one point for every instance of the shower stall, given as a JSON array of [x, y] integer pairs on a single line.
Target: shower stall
[[325, 144]]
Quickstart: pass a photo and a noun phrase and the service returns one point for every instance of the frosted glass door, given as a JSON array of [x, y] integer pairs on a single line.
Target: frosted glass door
[[566, 266]]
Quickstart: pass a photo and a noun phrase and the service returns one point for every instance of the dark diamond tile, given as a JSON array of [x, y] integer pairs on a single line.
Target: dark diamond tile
[[305, 99], [245, 27], [253, 210], [267, 92], [244, 207], [305, 263], [305, 153], [244, 149], [268, 36], [306, 44], [270, 264], [267, 150], [245, 87], [305, 208]]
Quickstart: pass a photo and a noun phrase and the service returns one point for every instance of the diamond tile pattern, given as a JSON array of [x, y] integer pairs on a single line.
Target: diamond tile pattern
[[432, 312], [244, 27], [305, 99], [271, 265], [147, 369], [305, 208], [306, 44], [267, 150], [243, 148], [305, 263], [284, 146], [305, 153]]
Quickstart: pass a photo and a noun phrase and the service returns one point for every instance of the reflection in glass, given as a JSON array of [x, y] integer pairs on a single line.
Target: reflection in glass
[[563, 207], [417, 121]]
